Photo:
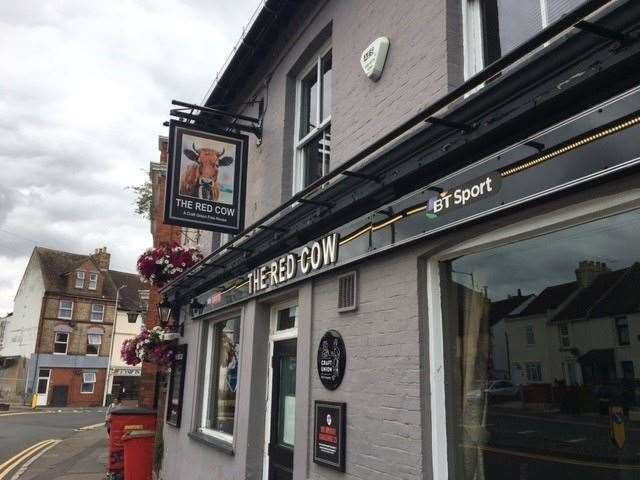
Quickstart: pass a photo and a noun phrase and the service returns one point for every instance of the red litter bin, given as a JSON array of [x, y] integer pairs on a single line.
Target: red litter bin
[[124, 420], [138, 454]]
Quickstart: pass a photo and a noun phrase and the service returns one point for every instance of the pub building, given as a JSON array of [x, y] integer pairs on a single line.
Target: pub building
[[435, 267]]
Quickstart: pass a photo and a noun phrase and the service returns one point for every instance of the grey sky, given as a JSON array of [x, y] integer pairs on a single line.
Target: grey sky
[[84, 89]]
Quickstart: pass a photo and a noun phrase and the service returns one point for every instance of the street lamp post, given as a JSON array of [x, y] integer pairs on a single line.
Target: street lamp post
[[113, 334]]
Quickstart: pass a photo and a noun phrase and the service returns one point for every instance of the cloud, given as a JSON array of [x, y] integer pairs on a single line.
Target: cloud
[[86, 88]]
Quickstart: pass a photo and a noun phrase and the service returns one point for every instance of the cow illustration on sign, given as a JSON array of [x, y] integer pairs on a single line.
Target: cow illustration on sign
[[200, 180]]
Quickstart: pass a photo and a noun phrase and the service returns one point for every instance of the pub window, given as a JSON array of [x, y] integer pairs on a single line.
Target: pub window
[[312, 143], [496, 432], [492, 28], [94, 340], [622, 329], [65, 309], [220, 384], [60, 343], [88, 382], [79, 279], [97, 312], [93, 281]]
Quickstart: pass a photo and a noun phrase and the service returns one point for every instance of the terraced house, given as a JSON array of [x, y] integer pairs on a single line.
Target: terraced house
[[62, 325]]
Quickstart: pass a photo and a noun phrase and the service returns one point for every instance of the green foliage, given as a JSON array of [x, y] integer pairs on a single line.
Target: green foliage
[[144, 199]]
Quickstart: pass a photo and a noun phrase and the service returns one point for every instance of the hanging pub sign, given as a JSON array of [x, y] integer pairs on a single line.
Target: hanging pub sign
[[176, 385], [329, 434], [332, 359], [206, 179]]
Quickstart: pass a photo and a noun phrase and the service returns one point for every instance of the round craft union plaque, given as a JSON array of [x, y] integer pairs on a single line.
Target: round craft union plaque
[[332, 359]]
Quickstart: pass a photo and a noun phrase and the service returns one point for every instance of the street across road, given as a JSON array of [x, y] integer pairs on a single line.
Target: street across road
[[26, 433]]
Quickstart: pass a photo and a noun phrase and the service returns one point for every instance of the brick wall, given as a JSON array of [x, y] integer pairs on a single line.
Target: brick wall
[[72, 378], [78, 338]]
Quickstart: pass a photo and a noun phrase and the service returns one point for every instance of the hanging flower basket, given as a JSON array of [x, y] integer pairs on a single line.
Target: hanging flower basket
[[148, 346], [160, 265]]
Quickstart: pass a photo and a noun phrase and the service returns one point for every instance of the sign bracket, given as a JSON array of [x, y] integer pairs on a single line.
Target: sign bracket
[[218, 118]]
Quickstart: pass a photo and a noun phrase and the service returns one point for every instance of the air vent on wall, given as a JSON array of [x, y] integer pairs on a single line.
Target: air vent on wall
[[347, 292]]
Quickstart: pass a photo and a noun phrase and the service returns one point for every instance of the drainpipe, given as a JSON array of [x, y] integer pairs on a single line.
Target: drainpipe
[[113, 334]]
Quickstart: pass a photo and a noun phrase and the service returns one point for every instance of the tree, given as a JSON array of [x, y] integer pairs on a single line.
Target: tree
[[144, 199]]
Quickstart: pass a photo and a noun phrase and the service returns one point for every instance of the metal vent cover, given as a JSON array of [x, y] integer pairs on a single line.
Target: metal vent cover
[[347, 292]]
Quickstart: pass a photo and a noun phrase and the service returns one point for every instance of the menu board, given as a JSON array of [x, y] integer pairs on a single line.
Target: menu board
[[329, 435], [176, 385]]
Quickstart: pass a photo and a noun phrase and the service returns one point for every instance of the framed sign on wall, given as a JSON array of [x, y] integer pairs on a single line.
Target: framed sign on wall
[[206, 179], [330, 434], [176, 385]]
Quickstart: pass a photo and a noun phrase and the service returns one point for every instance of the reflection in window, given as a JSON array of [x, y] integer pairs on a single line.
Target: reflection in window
[[287, 318], [507, 24], [531, 339], [622, 327], [578, 291], [221, 377]]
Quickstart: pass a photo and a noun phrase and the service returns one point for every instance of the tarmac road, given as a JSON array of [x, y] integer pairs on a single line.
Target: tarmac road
[[22, 429]]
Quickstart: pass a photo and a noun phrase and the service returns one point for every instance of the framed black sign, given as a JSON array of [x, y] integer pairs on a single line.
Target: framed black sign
[[332, 359], [206, 179], [176, 385], [330, 434]]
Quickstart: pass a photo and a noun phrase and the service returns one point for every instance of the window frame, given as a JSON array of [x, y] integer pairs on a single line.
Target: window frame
[[564, 336], [93, 281], [93, 305], [93, 384], [97, 345], [80, 277], [57, 342], [618, 328], [208, 378], [571, 215], [530, 335], [476, 51], [70, 317], [299, 162], [533, 369]]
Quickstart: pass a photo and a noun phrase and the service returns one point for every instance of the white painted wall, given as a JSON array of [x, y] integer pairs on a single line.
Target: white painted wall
[[21, 330], [123, 330]]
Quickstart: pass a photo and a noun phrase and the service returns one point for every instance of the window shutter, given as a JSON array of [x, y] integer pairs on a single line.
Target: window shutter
[[347, 292]]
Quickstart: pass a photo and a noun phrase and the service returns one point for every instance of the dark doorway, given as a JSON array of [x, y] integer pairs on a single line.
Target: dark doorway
[[283, 402], [60, 396]]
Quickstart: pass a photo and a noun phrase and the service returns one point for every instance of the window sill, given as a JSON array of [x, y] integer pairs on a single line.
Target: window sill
[[212, 441]]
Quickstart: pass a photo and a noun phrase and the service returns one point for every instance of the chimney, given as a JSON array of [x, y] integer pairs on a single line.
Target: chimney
[[103, 258], [588, 270]]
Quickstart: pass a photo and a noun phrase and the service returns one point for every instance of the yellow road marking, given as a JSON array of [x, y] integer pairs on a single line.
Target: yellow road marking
[[14, 461], [549, 458]]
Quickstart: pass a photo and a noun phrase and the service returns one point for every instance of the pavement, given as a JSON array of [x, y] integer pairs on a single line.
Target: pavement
[[53, 444]]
